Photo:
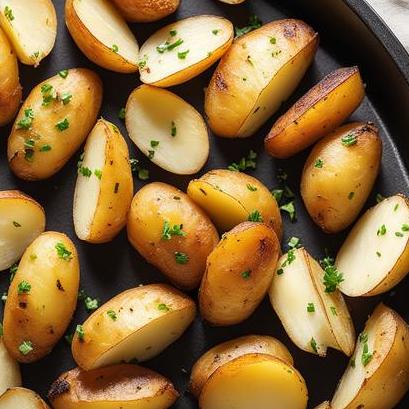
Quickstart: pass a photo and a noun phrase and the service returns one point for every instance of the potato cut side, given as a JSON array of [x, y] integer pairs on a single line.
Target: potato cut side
[[382, 235], [22, 220], [31, 27], [174, 137], [136, 324], [21, 398], [254, 381], [184, 49], [102, 34], [378, 375], [118, 386], [10, 376]]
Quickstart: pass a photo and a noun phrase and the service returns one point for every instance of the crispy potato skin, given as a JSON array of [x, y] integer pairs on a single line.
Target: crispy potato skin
[[42, 314], [146, 11], [245, 259], [335, 193], [81, 112], [223, 353], [322, 109], [22, 397], [151, 207], [125, 386]]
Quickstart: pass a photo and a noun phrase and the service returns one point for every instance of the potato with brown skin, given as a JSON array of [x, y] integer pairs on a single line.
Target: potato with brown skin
[[53, 122], [339, 175], [322, 109], [238, 274], [146, 11], [124, 386], [15, 398], [171, 232], [42, 297]]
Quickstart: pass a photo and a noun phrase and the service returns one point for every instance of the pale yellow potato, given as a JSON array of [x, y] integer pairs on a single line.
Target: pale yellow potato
[[230, 198], [322, 109], [31, 27], [184, 49], [146, 11], [238, 274], [22, 220], [255, 381], [174, 137], [381, 236], [21, 398], [104, 188], [118, 386], [42, 297], [223, 353], [324, 405], [182, 258], [10, 88], [42, 149], [255, 76], [337, 179], [102, 34], [136, 324], [10, 376], [381, 381]]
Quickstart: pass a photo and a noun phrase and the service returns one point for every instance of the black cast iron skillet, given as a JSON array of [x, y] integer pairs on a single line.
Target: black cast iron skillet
[[351, 33]]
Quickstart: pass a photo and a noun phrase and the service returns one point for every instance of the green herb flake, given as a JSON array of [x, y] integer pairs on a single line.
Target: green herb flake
[[91, 304], [168, 232], [13, 271], [154, 144], [314, 345], [253, 24], [246, 274], [33, 257], [251, 187], [98, 173], [45, 148], [62, 252], [49, 94], [163, 307], [255, 216], [183, 54], [166, 46], [121, 114], [273, 40], [294, 242], [62, 125], [310, 307], [173, 33], [333, 310], [23, 288], [379, 198], [289, 208], [66, 98], [63, 74], [151, 154], [84, 171], [245, 163], [115, 48], [352, 363], [16, 224], [181, 258], [79, 330], [398, 234], [349, 140], [27, 120], [1, 329], [396, 207], [381, 231], [25, 347], [405, 227], [173, 129], [366, 355], [112, 314], [8, 12], [319, 163], [332, 277]]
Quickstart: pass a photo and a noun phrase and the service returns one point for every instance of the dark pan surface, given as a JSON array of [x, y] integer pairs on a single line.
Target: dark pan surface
[[350, 34]]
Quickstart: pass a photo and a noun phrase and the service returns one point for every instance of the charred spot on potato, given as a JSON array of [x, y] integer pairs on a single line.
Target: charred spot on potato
[[59, 387], [220, 82], [59, 286], [22, 305], [290, 30]]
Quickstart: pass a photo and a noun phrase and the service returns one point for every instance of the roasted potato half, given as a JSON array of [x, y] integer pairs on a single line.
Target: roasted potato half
[[174, 137], [10, 376], [104, 188], [53, 122], [382, 235], [42, 297], [102, 34], [230, 198], [21, 398], [146, 11], [339, 175], [184, 49], [258, 73], [136, 324], [227, 351], [322, 109], [31, 27], [378, 375], [22, 220], [118, 386], [238, 274], [313, 313]]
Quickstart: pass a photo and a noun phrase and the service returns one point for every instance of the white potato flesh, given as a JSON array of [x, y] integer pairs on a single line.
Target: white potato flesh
[[9, 370], [383, 250], [21, 398], [151, 115], [31, 27]]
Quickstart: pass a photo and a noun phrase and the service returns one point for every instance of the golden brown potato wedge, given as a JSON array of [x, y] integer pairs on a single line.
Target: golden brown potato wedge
[[146, 11], [339, 175], [136, 324], [118, 386], [322, 109], [171, 232], [21, 398], [10, 376], [238, 274], [42, 297]]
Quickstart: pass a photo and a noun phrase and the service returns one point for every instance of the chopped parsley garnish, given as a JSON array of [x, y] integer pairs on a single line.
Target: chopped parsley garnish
[[253, 23], [16, 224], [351, 195], [381, 231], [66, 98], [80, 332], [398, 234], [63, 252], [45, 148], [248, 162], [378, 254], [63, 74], [33, 257], [168, 231], [294, 242], [115, 48], [182, 54], [151, 154], [121, 113], [379, 198], [252, 188], [1, 329], [8, 12], [396, 207], [314, 345], [62, 125], [173, 33], [13, 271], [112, 314], [255, 216], [181, 258], [91, 304], [49, 94], [143, 174], [98, 173], [142, 63], [166, 46], [366, 355], [290, 258], [349, 140], [332, 277], [154, 144], [333, 310], [84, 171], [310, 307], [26, 347], [163, 307], [29, 149], [27, 121], [405, 227], [173, 129], [23, 288], [290, 209], [273, 40], [319, 163], [246, 274], [215, 32]]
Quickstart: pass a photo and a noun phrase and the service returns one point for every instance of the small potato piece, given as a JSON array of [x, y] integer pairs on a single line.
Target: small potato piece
[[42, 297], [255, 381], [258, 73], [9, 370], [31, 27], [322, 109], [102, 34], [227, 351], [379, 377], [382, 235], [158, 212], [313, 318], [184, 49], [174, 137], [21, 398], [10, 88], [118, 386], [53, 122], [239, 273], [338, 177], [104, 188], [146, 11], [230, 198], [136, 324], [324, 405]]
